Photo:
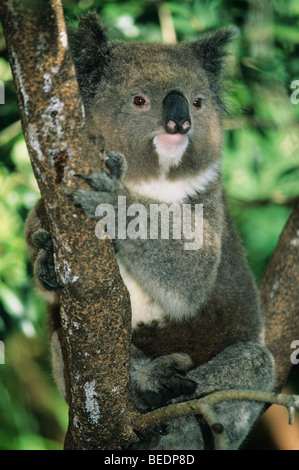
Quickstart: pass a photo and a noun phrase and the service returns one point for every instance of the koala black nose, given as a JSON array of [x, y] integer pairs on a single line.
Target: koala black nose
[[176, 117]]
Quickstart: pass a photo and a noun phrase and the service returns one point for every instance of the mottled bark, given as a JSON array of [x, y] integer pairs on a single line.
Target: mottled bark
[[95, 309], [279, 292]]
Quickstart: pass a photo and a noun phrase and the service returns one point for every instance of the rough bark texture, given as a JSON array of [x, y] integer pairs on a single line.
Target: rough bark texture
[[94, 303], [279, 292]]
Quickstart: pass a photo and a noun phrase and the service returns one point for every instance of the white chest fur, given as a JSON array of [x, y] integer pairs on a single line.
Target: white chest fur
[[144, 309], [164, 190]]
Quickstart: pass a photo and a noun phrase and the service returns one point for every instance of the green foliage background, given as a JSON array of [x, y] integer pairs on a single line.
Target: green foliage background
[[261, 173]]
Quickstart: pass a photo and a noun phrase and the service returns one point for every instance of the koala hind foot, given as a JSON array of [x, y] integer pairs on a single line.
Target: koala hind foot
[[161, 380]]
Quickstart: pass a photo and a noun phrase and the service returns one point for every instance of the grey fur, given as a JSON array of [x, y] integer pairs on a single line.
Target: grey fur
[[196, 315]]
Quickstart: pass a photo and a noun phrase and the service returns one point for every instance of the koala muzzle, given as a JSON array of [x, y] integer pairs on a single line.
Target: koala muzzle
[[176, 117]]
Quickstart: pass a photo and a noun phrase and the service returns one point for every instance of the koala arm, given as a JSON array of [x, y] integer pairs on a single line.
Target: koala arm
[[247, 365], [160, 265], [243, 365]]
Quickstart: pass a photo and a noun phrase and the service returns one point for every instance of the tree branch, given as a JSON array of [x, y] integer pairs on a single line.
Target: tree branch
[[204, 406], [279, 291]]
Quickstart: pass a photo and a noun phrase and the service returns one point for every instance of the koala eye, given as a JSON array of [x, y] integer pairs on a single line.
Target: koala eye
[[198, 102], [141, 102]]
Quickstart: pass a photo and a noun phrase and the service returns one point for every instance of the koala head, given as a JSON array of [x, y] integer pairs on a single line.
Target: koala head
[[160, 105]]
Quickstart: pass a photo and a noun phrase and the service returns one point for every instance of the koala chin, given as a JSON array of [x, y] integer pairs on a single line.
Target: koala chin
[[170, 149], [196, 317]]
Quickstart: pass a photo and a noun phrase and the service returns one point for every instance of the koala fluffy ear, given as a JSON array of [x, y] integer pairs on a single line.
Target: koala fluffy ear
[[211, 50], [90, 51], [90, 33]]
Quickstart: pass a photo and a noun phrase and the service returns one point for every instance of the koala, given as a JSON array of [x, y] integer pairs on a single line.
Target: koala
[[197, 326]]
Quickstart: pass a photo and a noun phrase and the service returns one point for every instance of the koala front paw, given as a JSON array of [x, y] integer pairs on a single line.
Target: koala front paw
[[117, 164], [44, 263], [107, 185], [162, 380]]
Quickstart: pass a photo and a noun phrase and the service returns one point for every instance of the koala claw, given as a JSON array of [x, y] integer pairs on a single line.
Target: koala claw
[[51, 286], [43, 240], [149, 437], [141, 436], [178, 369], [100, 181], [173, 388], [116, 163], [164, 379]]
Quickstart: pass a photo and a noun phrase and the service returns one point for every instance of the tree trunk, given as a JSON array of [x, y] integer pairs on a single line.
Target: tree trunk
[[95, 308], [279, 291]]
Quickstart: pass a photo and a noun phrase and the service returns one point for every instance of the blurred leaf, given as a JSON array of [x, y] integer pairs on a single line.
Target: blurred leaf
[[11, 302], [260, 228], [5, 71]]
